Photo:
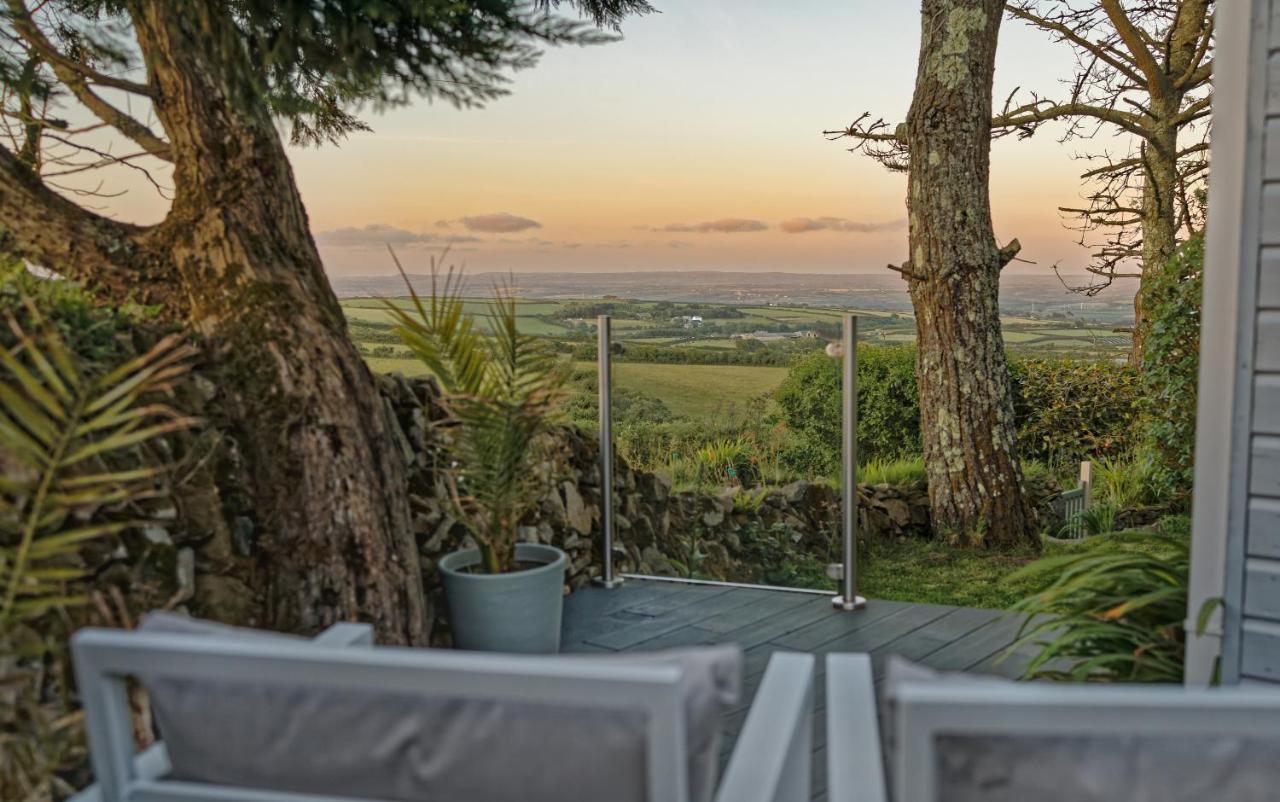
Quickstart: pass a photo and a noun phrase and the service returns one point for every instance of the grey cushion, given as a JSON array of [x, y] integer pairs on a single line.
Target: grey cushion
[[1102, 768], [1107, 768], [364, 743]]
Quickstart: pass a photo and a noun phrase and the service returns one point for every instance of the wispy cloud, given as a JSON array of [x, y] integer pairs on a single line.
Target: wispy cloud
[[725, 225], [801, 225], [495, 223], [379, 234]]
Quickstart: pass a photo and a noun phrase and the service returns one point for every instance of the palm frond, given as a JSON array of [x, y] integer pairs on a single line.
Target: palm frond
[[65, 431], [501, 391], [440, 333]]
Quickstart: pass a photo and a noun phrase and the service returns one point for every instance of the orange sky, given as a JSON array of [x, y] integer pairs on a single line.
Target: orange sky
[[687, 145]]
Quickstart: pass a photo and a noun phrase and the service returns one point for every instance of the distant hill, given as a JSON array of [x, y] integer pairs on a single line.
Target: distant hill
[[1019, 293]]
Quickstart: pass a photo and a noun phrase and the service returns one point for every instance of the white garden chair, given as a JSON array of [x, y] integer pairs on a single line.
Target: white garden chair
[[960, 738], [252, 717]]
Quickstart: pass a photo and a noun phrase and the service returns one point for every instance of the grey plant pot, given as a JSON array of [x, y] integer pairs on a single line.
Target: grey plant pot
[[515, 612]]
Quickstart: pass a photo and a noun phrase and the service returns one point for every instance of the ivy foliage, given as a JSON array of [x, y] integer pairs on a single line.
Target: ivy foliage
[[1069, 410], [1171, 366], [1066, 409]]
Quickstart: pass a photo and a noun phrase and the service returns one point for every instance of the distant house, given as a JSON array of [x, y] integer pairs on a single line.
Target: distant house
[[691, 321], [774, 336]]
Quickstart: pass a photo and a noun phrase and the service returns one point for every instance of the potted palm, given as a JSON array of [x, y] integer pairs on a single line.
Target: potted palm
[[500, 390]]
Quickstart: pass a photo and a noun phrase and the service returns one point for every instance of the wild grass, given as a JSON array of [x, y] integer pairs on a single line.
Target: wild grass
[[1108, 614], [931, 572], [892, 472]]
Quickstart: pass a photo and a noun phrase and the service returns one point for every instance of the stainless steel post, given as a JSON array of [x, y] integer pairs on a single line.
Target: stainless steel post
[[849, 598], [604, 369]]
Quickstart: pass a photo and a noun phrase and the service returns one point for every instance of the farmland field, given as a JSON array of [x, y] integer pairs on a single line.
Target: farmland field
[[695, 391], [735, 354]]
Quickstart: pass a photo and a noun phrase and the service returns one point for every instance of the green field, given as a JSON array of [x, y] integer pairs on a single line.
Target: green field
[[376, 313], [695, 390], [689, 390]]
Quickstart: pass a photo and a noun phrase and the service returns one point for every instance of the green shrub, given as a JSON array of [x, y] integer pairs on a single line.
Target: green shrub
[[98, 335], [1171, 366], [1070, 410], [1067, 409], [888, 409]]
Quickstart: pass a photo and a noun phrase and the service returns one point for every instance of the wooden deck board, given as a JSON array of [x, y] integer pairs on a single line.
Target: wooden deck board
[[647, 615]]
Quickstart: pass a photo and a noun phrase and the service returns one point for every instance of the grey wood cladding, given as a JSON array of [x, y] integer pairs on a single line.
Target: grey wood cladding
[[1259, 615]]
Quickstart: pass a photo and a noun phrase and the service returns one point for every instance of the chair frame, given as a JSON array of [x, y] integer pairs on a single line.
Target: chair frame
[[106, 659], [926, 710]]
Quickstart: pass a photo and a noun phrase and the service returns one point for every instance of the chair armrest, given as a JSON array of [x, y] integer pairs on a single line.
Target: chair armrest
[[154, 762], [772, 759], [345, 634], [855, 765], [150, 764]]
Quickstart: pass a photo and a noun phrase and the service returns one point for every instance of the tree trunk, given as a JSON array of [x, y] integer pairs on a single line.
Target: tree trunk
[[327, 478], [966, 407], [1159, 211]]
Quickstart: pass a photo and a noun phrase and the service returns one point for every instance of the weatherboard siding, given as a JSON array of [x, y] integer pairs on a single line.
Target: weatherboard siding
[[1252, 643]]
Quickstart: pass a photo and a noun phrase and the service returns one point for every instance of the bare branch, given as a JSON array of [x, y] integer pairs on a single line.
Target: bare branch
[[74, 76], [25, 25], [1115, 58], [875, 139], [1158, 83], [1040, 111]]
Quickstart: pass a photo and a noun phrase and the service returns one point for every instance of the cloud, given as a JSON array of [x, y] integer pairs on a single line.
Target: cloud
[[675, 243], [495, 223], [725, 225], [379, 234], [801, 225]]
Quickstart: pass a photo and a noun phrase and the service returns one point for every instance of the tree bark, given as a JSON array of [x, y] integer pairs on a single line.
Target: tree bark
[[966, 408], [1159, 224], [327, 478]]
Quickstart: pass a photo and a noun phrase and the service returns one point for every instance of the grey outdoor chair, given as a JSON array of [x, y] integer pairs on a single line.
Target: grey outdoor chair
[[256, 717], [965, 738]]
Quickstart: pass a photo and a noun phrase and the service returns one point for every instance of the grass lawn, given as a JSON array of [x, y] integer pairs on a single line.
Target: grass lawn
[[697, 391], [409, 366], [1021, 336], [927, 572], [694, 390]]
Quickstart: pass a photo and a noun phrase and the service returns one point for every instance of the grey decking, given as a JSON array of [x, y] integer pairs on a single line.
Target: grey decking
[[660, 615]]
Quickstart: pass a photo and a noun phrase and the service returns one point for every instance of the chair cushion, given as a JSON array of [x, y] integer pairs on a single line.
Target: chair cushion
[[361, 743], [1093, 768], [1106, 768]]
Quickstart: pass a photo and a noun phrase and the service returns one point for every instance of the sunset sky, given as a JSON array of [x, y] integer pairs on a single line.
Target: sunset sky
[[694, 143]]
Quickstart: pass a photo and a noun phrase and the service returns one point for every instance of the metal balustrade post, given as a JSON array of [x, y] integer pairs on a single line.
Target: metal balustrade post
[[604, 372], [849, 598]]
